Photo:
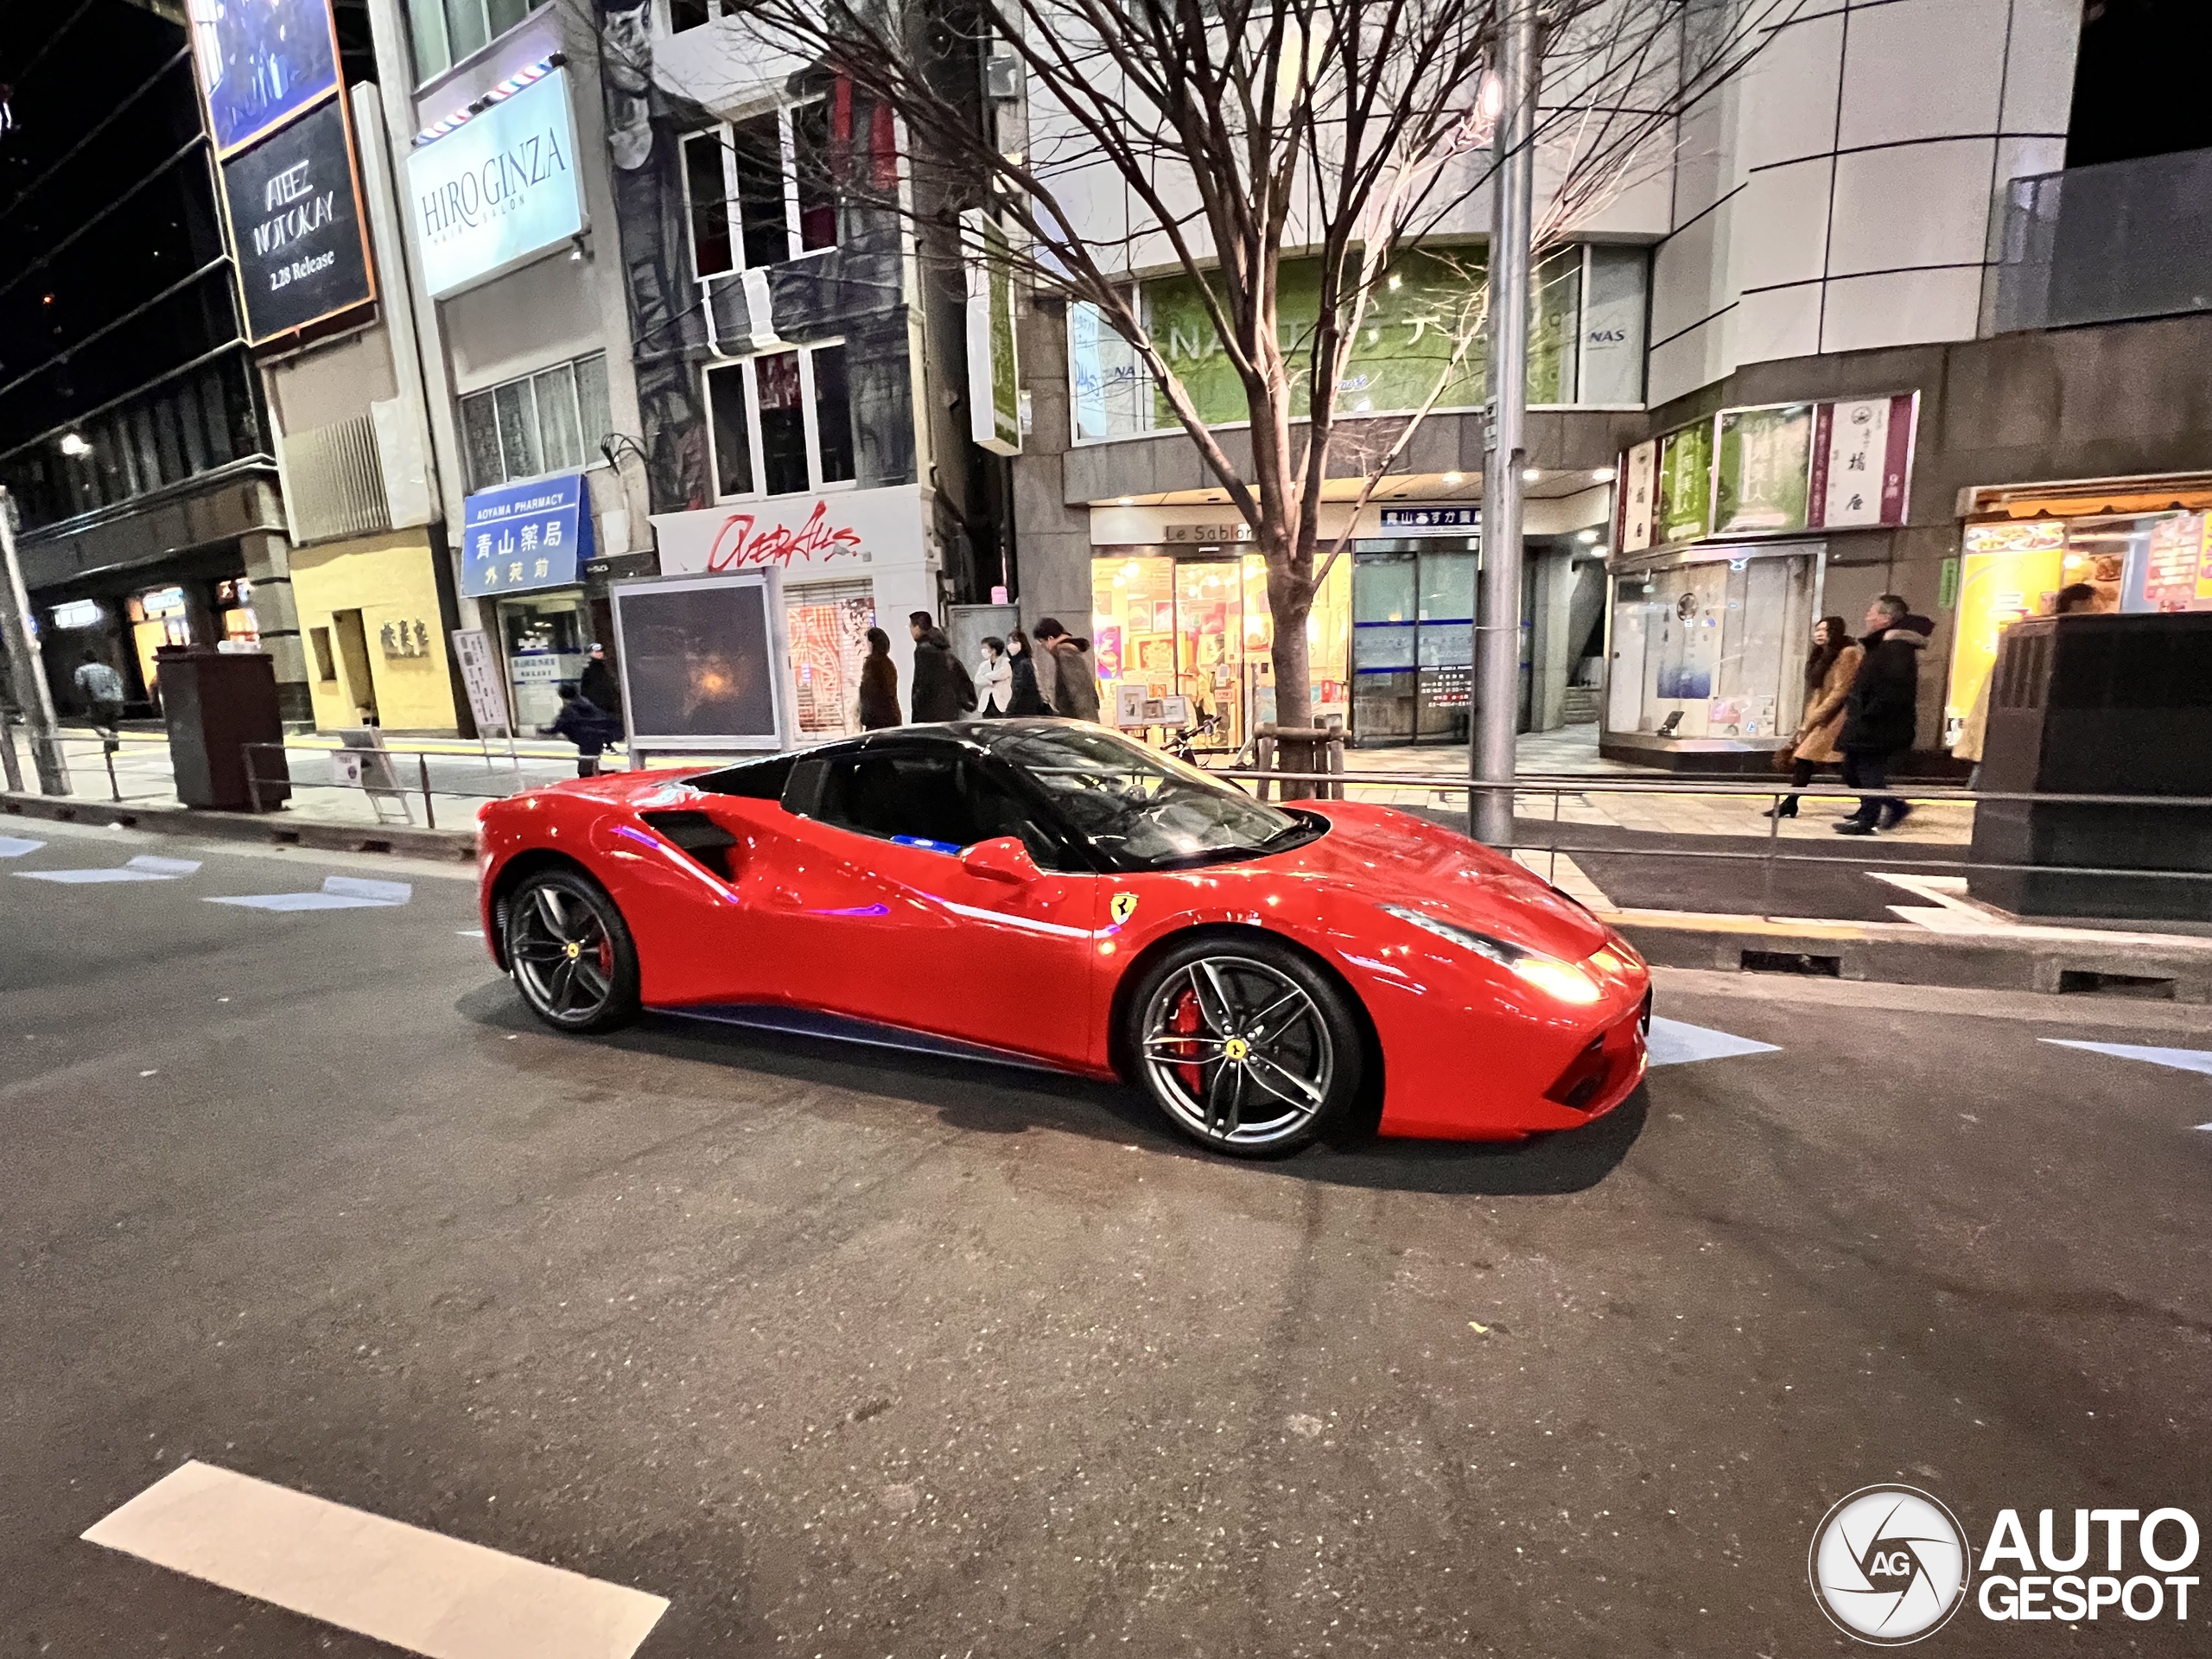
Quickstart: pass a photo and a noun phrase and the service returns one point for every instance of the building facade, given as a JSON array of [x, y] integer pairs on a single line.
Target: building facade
[[1864, 250]]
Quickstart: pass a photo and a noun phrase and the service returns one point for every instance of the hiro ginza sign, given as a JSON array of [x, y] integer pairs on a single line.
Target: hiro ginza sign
[[295, 220], [497, 190]]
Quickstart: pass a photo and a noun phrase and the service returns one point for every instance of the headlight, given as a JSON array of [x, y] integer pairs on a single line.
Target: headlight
[[1560, 980]]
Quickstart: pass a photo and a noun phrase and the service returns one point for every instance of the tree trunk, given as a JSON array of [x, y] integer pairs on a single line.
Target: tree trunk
[[1290, 601]]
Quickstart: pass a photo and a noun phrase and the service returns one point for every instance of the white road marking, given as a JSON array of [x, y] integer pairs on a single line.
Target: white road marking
[[338, 893], [420, 1591], [1673, 1042], [2181, 1059], [15, 846], [1954, 912], [470, 932], [144, 867]]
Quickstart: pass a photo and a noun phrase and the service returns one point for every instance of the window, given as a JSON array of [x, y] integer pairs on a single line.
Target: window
[[550, 422], [446, 31], [693, 14], [762, 191], [783, 422], [941, 803]]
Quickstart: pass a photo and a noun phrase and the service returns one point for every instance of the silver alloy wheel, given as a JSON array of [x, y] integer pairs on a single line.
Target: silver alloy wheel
[[563, 958], [1238, 1051]]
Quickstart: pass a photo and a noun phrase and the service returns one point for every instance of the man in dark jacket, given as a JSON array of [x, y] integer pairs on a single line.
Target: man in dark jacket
[[585, 724], [597, 686], [1074, 680], [943, 689], [1881, 712]]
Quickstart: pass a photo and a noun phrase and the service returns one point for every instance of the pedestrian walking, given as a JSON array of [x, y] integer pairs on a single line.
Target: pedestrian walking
[[994, 680], [1881, 712], [585, 724], [942, 687], [598, 684], [879, 685], [1024, 698], [1830, 670], [1074, 681], [102, 689]]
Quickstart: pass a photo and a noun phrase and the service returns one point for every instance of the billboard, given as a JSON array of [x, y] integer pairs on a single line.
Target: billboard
[[296, 223], [261, 62], [523, 537], [498, 190], [703, 661]]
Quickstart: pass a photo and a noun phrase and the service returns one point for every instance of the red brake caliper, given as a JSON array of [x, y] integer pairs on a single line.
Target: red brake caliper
[[1185, 1022]]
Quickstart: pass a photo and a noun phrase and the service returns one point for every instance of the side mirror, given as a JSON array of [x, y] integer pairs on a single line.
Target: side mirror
[[1002, 858]]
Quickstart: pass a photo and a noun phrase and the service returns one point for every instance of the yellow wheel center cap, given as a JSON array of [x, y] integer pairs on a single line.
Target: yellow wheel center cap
[[576, 949], [1237, 1049]]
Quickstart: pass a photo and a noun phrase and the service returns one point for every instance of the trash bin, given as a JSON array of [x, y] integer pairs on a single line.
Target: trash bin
[[217, 703], [2099, 705]]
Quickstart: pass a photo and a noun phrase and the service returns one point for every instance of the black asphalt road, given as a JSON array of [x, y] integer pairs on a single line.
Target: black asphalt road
[[850, 1355]]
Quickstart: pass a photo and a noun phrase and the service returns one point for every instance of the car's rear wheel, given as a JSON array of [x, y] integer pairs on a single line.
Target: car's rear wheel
[[570, 953], [1246, 1046]]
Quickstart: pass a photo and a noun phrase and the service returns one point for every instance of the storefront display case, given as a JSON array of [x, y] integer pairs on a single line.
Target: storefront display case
[[1198, 626], [1704, 653]]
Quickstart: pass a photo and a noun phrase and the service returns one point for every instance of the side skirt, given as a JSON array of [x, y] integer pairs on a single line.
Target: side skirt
[[839, 1028]]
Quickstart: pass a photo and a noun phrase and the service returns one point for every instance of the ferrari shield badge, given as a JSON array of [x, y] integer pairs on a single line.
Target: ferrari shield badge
[[1121, 906]]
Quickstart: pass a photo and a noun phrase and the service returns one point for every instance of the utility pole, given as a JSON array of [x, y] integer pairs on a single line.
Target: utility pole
[[1497, 631], [32, 696]]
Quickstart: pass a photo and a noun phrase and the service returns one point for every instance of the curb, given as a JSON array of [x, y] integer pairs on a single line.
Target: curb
[[1901, 954], [267, 828]]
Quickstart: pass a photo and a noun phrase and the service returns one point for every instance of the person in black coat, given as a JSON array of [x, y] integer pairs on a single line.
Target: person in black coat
[[585, 724], [1882, 712], [879, 685], [943, 689], [597, 685], [1027, 699]]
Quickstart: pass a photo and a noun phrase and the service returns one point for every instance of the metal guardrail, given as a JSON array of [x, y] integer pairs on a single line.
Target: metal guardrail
[[1558, 785]]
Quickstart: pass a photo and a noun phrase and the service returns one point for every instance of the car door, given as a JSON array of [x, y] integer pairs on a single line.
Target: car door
[[887, 924]]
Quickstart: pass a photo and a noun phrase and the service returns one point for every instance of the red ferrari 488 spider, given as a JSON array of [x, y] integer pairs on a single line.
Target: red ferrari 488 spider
[[1050, 893]]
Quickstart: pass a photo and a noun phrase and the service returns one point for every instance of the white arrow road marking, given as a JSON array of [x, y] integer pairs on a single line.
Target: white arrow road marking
[[2182, 1059], [1673, 1042], [338, 893], [417, 1590], [15, 846], [144, 867]]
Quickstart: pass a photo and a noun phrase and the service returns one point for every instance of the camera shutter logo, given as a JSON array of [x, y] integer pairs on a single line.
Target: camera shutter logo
[[1888, 1565]]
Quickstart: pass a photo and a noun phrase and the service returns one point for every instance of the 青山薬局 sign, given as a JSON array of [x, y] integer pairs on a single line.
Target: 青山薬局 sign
[[524, 536]]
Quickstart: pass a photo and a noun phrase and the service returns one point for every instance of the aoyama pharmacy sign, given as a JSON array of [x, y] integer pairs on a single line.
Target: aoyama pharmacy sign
[[497, 190]]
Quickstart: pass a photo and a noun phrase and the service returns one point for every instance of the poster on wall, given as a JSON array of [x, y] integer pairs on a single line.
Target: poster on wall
[[1862, 461], [1762, 473], [993, 369], [1684, 511], [297, 227], [261, 62], [2178, 563], [498, 190], [702, 662], [1639, 495]]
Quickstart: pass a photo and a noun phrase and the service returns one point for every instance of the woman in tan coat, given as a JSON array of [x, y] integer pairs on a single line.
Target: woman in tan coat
[[1828, 671]]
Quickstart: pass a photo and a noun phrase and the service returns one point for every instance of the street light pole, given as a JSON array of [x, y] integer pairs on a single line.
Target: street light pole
[[32, 696], [1497, 632]]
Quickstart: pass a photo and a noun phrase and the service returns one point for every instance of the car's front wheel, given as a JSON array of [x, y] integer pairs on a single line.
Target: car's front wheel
[[570, 952], [1245, 1045]]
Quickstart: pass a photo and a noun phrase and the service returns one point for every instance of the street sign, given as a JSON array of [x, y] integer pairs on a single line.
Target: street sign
[[479, 677]]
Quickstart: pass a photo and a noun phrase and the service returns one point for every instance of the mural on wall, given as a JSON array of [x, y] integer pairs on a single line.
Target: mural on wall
[[852, 288], [668, 332]]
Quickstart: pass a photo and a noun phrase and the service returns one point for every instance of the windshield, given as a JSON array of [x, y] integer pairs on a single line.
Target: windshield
[[1143, 809]]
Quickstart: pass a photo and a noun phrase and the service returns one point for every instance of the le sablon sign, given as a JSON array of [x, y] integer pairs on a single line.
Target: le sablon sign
[[498, 191]]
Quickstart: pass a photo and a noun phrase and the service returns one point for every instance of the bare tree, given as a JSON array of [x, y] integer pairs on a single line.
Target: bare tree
[[1336, 133]]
